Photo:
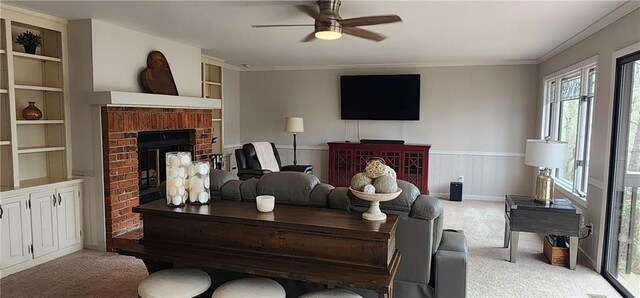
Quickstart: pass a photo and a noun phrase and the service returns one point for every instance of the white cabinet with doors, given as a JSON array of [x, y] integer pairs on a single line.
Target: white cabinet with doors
[[39, 224]]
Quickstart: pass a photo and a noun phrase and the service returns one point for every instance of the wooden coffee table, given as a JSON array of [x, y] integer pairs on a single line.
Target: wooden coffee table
[[316, 245], [523, 214]]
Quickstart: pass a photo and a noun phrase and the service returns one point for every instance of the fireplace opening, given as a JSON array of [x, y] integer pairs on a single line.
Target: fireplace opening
[[152, 147]]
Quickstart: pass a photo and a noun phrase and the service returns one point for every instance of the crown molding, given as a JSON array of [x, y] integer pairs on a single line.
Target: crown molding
[[616, 14], [386, 65]]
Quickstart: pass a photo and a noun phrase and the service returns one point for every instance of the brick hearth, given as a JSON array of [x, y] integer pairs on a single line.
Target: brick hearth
[[120, 127]]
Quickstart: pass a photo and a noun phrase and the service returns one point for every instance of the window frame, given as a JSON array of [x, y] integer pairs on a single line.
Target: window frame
[[551, 122]]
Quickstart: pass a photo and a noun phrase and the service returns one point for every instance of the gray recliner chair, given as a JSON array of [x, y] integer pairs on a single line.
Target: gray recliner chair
[[434, 260]]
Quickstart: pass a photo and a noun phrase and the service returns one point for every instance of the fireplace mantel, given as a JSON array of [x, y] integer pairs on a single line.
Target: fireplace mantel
[[133, 99]]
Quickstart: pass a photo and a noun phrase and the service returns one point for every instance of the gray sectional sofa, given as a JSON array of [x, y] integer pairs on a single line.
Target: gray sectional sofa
[[434, 260]]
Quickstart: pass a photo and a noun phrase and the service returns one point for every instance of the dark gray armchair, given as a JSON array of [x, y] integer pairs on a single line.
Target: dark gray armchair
[[249, 165]]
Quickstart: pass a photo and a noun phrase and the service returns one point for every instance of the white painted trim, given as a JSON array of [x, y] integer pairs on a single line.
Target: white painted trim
[[232, 146], [477, 153], [597, 184], [616, 14], [32, 13], [40, 260], [303, 147], [569, 69], [388, 65], [233, 67], [571, 196], [589, 259], [83, 173], [119, 98]]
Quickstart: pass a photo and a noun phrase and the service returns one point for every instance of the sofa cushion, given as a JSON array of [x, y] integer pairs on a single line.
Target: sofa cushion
[[319, 196], [339, 199], [231, 191], [248, 189], [218, 178], [288, 187], [402, 203], [453, 241]]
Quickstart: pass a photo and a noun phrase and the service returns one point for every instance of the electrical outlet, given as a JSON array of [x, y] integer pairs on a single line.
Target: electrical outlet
[[461, 179]]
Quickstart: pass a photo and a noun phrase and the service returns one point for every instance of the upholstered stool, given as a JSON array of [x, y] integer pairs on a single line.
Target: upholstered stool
[[174, 283], [331, 293], [250, 287]]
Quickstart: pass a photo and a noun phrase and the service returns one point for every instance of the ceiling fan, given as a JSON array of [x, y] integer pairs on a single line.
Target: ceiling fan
[[330, 25]]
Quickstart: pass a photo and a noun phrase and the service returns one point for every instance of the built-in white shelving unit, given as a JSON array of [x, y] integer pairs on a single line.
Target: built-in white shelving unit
[[33, 150], [212, 89]]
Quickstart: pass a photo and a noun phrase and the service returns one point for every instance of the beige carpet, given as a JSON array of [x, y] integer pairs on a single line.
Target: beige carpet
[[97, 274]]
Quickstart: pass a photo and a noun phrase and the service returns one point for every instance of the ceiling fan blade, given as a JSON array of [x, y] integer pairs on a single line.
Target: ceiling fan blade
[[310, 11], [272, 26], [363, 33], [311, 36], [372, 20]]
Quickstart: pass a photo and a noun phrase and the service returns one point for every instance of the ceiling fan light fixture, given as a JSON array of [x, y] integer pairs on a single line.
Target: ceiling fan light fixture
[[328, 35]]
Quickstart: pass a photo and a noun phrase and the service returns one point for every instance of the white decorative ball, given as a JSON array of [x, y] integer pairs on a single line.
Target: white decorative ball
[[172, 191], [177, 200], [181, 190], [181, 172], [177, 181], [185, 160], [192, 198], [173, 172], [203, 168], [192, 170], [196, 183], [206, 181], [174, 161], [203, 197], [369, 189]]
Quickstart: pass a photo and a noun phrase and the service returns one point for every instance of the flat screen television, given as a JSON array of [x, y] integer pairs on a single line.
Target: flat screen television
[[380, 97]]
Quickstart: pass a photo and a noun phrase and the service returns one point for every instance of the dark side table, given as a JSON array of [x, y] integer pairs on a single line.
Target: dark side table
[[523, 214]]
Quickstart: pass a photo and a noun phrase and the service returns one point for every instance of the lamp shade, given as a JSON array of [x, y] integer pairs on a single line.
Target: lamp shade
[[294, 124], [545, 154]]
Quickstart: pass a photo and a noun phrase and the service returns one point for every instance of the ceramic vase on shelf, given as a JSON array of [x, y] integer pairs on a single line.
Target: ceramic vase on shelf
[[31, 112], [199, 183], [178, 164]]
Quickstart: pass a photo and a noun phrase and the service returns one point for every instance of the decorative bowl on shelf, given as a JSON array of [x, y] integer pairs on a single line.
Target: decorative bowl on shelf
[[374, 212]]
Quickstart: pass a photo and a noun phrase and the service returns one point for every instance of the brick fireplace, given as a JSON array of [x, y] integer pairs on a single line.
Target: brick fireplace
[[120, 128]]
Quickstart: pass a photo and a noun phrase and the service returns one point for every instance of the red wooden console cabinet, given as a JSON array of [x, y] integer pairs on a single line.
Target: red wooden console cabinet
[[411, 161]]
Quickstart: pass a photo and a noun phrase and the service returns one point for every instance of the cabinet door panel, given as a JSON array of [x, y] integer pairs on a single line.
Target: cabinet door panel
[[44, 223], [15, 228], [68, 217], [413, 169], [342, 167]]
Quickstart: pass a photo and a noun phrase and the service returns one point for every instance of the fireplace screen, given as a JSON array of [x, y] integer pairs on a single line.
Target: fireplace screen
[[152, 147]]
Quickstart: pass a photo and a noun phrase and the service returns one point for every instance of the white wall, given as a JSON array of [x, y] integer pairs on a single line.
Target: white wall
[[618, 35], [231, 100], [464, 110], [120, 54]]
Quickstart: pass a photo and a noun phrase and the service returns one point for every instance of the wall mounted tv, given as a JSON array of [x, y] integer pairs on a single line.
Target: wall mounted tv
[[380, 97]]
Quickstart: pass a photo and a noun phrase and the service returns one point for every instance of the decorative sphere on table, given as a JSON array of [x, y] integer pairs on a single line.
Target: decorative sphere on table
[[375, 168], [359, 181], [391, 172], [385, 184]]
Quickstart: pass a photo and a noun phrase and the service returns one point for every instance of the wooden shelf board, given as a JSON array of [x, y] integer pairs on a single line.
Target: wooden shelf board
[[38, 122], [2, 51], [36, 57], [119, 98], [34, 183], [3, 91], [4, 143], [212, 83], [39, 149], [216, 120], [38, 88]]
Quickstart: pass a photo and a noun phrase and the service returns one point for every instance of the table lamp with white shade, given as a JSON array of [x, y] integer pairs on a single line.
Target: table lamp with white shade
[[546, 155], [294, 125]]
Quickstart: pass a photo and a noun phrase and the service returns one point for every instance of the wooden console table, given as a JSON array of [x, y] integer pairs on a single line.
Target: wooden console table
[[410, 161], [523, 214], [315, 245]]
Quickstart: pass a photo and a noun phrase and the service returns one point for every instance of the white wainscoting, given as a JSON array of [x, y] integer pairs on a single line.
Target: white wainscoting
[[487, 175]]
